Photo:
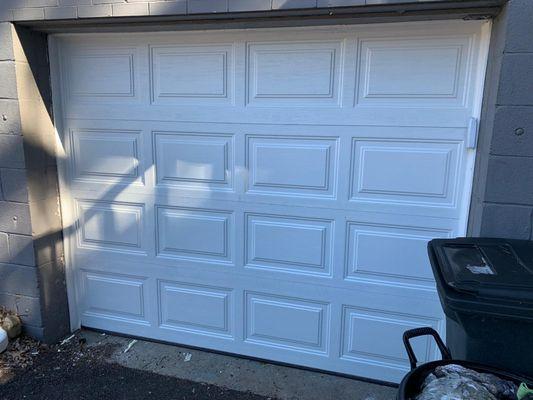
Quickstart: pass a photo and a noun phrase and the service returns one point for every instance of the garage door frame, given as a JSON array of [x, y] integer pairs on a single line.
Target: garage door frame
[[66, 201]]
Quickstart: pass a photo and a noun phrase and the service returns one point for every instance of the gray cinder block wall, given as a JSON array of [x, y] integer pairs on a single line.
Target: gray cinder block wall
[[32, 278], [31, 255], [502, 204]]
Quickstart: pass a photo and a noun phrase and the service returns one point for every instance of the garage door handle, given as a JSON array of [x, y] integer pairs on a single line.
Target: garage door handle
[[412, 333], [473, 128]]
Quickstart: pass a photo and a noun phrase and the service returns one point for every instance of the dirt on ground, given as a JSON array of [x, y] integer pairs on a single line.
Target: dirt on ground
[[72, 370]]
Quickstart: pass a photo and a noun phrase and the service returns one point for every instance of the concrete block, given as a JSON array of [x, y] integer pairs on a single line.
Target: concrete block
[[11, 151], [36, 332], [27, 308], [42, 183], [130, 9], [168, 7], [54, 307], [28, 14], [6, 47], [96, 11], [340, 3], [4, 248], [48, 247], [70, 12], [8, 83], [9, 117], [249, 5], [46, 216], [15, 218], [14, 185], [21, 250], [287, 4], [516, 81], [37, 3], [513, 131], [509, 180], [6, 14], [507, 221], [109, 1], [520, 29], [75, 2], [207, 6], [18, 279]]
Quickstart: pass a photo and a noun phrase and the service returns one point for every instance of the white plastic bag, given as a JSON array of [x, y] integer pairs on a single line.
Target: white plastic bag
[[3, 340]]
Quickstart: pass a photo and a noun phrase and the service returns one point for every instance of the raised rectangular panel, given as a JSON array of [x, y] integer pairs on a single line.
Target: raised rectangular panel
[[194, 160], [290, 244], [97, 74], [195, 308], [287, 322], [194, 234], [404, 171], [413, 71], [106, 155], [396, 254], [294, 74], [110, 225], [114, 296], [192, 74], [297, 166], [376, 336]]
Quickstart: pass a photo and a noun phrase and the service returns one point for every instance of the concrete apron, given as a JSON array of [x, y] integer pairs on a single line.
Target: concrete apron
[[236, 373]]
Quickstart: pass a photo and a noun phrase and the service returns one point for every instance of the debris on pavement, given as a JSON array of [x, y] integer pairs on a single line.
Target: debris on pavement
[[130, 345], [188, 357], [33, 371], [65, 341], [453, 381]]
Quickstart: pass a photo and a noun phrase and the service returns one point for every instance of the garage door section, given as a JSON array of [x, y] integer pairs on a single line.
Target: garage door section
[[267, 192]]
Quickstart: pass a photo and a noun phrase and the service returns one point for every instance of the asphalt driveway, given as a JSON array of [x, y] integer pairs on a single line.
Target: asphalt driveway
[[91, 365]]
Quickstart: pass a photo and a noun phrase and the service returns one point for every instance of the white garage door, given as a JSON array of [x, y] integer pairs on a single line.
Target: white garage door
[[267, 192]]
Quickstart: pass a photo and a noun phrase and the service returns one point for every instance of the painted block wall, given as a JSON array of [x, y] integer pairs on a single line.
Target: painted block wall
[[502, 204], [32, 278]]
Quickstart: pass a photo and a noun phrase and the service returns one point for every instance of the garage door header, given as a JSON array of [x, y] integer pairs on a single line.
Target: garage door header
[[187, 12]]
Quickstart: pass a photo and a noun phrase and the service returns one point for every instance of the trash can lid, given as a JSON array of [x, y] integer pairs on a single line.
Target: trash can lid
[[493, 268]]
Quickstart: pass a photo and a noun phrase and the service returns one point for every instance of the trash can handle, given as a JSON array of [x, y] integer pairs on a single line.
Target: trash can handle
[[412, 333]]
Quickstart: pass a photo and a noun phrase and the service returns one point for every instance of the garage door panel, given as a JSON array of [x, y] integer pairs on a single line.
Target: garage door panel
[[412, 71], [107, 156], [109, 74], [375, 336], [292, 166], [269, 192], [114, 296], [292, 244], [391, 254], [116, 226], [196, 308], [192, 74], [195, 234], [275, 79], [419, 172], [194, 160], [287, 322]]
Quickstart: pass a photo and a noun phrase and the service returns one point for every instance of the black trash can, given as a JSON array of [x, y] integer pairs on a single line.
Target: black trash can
[[486, 290]]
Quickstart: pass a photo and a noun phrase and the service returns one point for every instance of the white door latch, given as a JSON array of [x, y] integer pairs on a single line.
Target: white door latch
[[472, 133]]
